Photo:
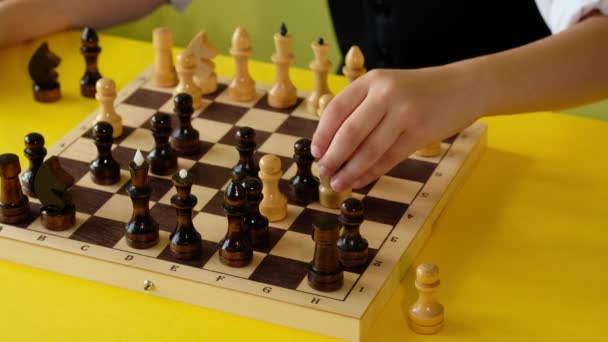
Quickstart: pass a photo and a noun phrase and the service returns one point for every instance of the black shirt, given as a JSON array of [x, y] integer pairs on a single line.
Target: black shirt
[[419, 33]]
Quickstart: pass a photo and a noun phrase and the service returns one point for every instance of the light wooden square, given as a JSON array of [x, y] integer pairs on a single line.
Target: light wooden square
[[139, 139], [81, 149], [209, 130], [203, 195], [87, 182], [293, 211], [134, 116], [212, 227], [80, 218], [182, 163], [150, 85], [349, 281], [262, 120], [395, 189], [118, 208], [221, 155], [294, 245], [214, 264], [152, 251], [374, 233], [279, 144], [224, 97]]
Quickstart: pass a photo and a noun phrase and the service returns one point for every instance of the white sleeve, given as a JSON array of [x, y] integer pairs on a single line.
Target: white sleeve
[[180, 5], [561, 14]]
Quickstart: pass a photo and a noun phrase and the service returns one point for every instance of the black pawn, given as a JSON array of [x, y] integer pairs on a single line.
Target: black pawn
[[255, 224], [245, 144], [90, 50], [35, 153], [104, 170], [184, 139], [352, 247], [235, 249], [163, 158], [303, 187], [185, 241]]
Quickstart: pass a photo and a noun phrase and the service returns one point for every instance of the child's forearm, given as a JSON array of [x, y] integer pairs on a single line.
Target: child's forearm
[[558, 72]]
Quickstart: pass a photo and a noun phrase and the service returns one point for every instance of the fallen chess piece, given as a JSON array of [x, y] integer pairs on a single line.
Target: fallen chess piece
[[426, 315], [52, 183], [42, 71]]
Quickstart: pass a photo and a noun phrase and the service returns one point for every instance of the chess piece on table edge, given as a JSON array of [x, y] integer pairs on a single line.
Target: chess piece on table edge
[[354, 64], [323, 102], [35, 153], [255, 224], [426, 315], [52, 183], [274, 203], [283, 93], [184, 139], [325, 271], [431, 150], [185, 241], [352, 247], [320, 66], [204, 51], [186, 65], [106, 94], [242, 86], [303, 186], [141, 230], [104, 170], [328, 197], [163, 74], [163, 158], [41, 68], [235, 248], [245, 144], [90, 50], [14, 205]]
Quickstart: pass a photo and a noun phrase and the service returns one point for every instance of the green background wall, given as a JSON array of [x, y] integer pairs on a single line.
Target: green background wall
[[306, 20]]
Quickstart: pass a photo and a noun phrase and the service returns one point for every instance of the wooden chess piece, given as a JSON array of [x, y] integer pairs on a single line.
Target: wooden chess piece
[[185, 241], [274, 204], [90, 50], [52, 183], [104, 170], [354, 64], [35, 152], [245, 144], [106, 94], [163, 158], [185, 138], [163, 74], [14, 205], [304, 186], [242, 86], [186, 64], [142, 230], [352, 247], [320, 66], [426, 315], [42, 71], [431, 150], [235, 248], [283, 93], [325, 272], [204, 73], [323, 102], [328, 197], [255, 224]]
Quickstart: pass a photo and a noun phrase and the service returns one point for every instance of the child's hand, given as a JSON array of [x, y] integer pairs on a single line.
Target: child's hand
[[386, 115]]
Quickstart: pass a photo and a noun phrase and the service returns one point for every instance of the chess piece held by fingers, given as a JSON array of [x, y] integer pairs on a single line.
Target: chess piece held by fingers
[[242, 86], [164, 74], [274, 203], [323, 102], [426, 315], [35, 152], [235, 248], [52, 183], [90, 50], [14, 205], [328, 197], [283, 93], [41, 68], [106, 94], [431, 150]]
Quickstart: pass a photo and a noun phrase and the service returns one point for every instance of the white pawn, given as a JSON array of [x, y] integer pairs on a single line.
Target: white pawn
[[323, 102], [106, 94], [242, 87], [274, 204], [186, 64], [431, 150], [426, 315], [329, 198]]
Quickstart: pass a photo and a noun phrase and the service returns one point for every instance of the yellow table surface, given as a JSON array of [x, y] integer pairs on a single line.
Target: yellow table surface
[[522, 247]]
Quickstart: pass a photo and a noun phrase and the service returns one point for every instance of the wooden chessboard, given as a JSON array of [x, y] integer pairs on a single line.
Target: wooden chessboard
[[400, 209]]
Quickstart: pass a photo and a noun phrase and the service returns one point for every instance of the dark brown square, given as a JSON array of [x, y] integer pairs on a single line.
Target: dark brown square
[[214, 206], [299, 127], [223, 112], [451, 139], [100, 231], [383, 211], [263, 104], [126, 130], [148, 98], [364, 190], [371, 253], [34, 214], [228, 138], [160, 187], [123, 155], [74, 167], [209, 248], [303, 224], [413, 169], [88, 200], [165, 216], [275, 235], [211, 176], [220, 88], [279, 271]]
